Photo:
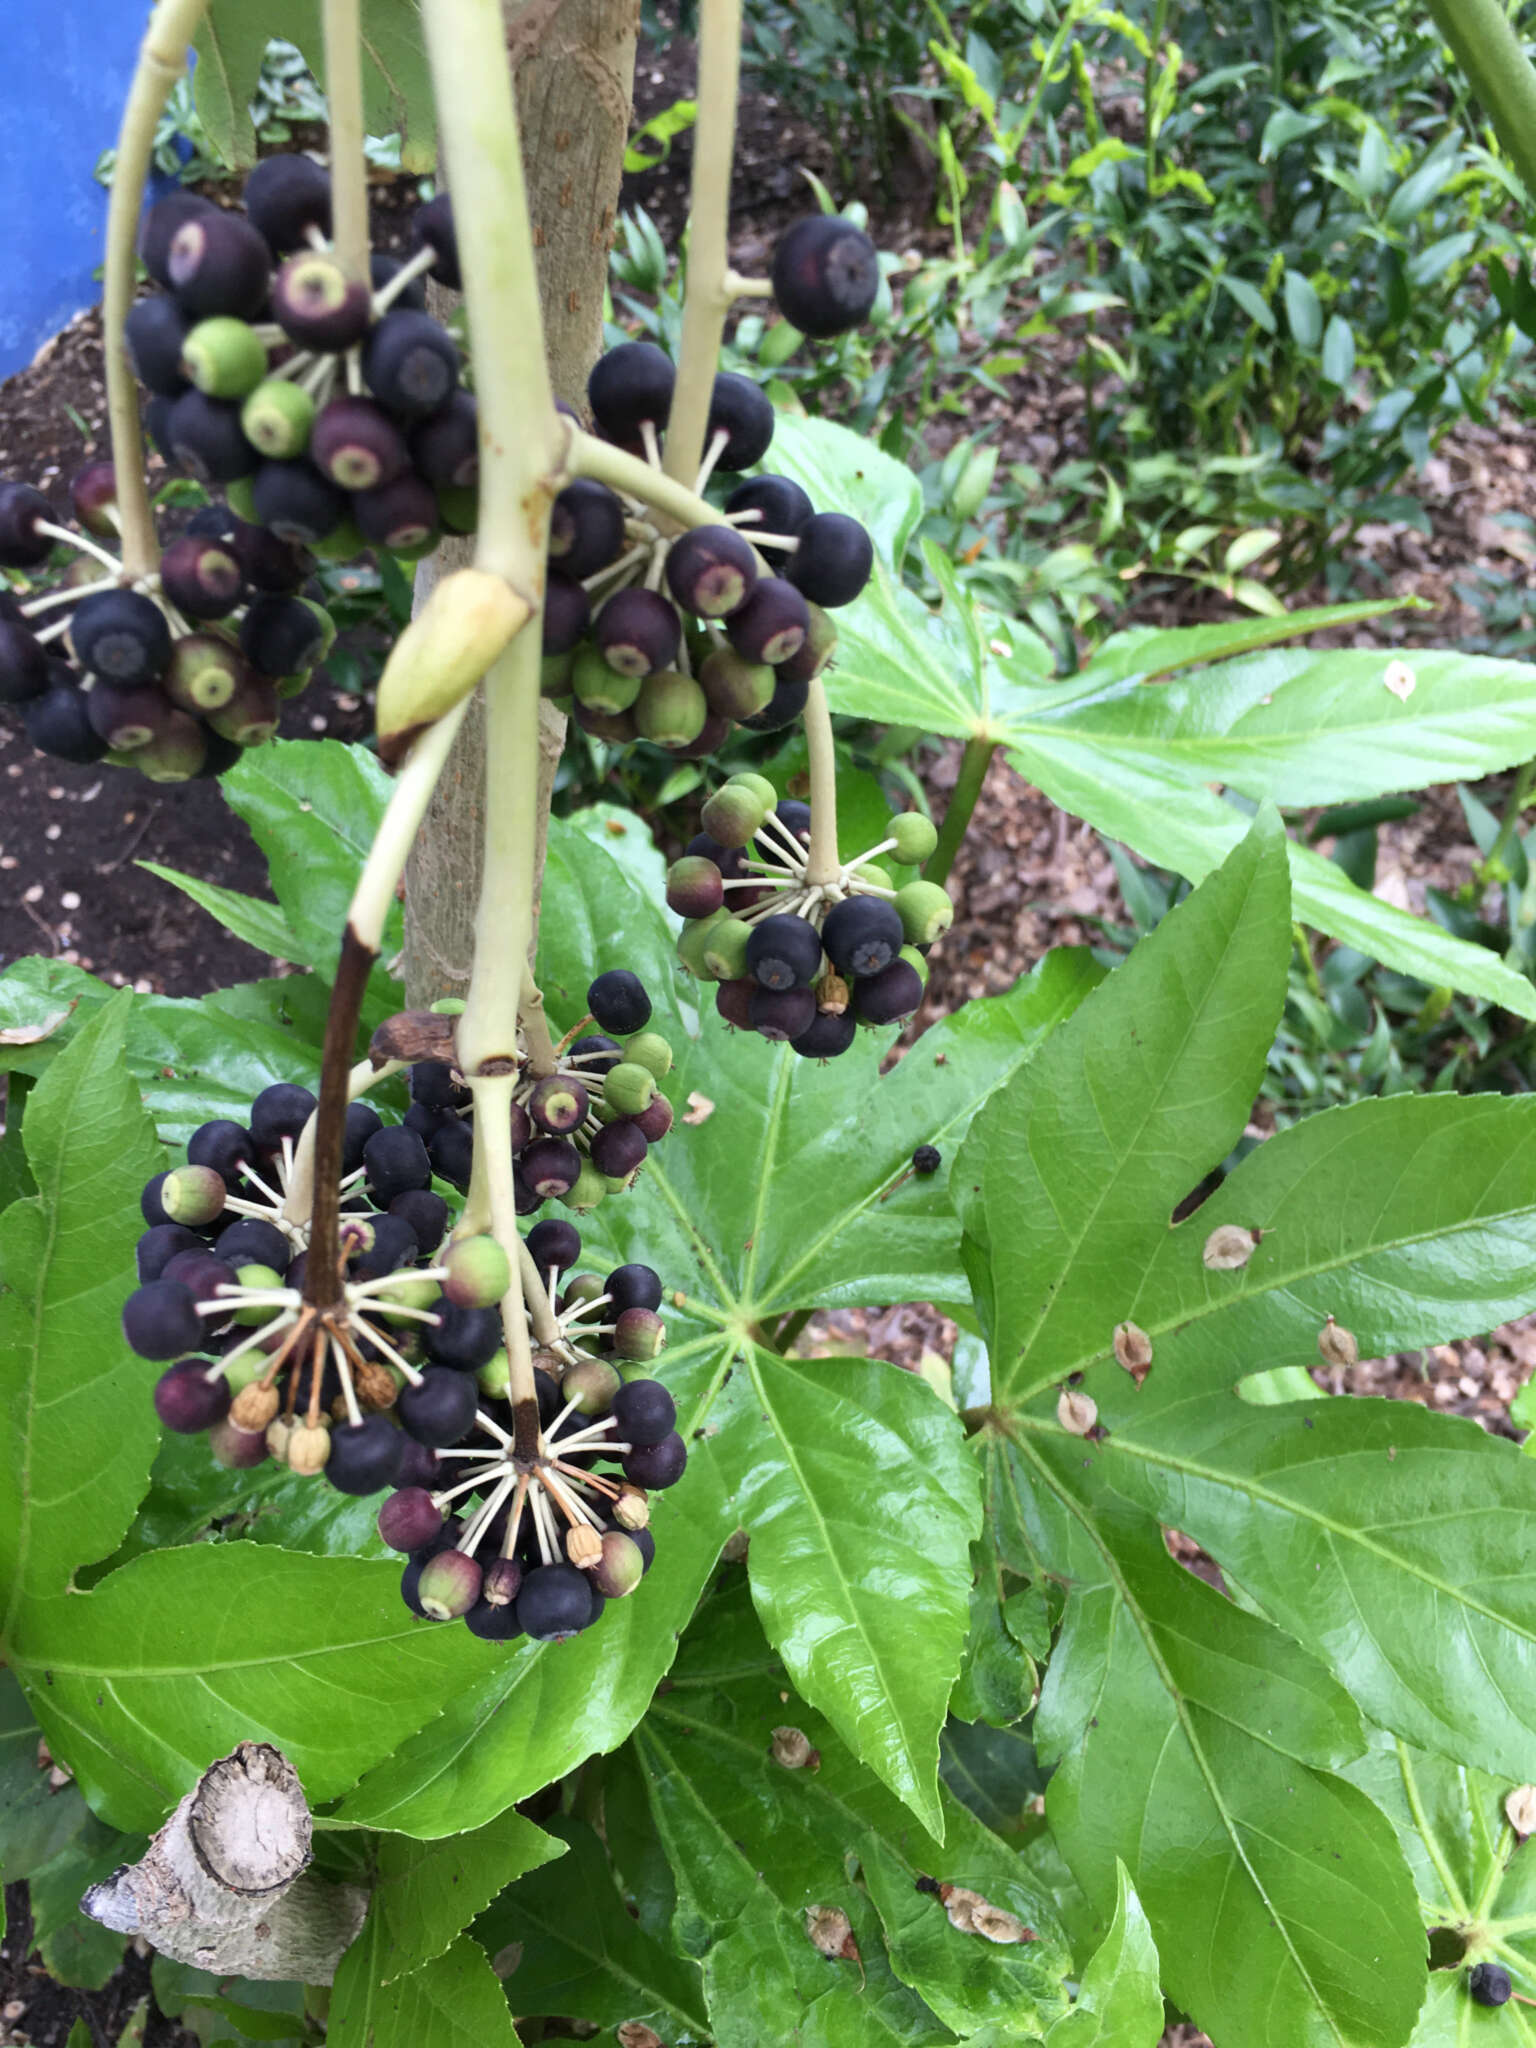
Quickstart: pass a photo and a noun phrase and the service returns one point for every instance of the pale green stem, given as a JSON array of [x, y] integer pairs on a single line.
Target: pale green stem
[[349, 169], [374, 895], [1491, 53], [707, 290], [522, 438], [587, 456], [821, 861], [540, 1307], [162, 60]]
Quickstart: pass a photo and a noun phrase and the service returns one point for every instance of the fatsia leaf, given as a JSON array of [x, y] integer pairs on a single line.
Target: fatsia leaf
[[183, 1653], [736, 1822], [852, 1480], [1119, 2002], [1068, 1182], [426, 1893], [1179, 823], [579, 1954], [1201, 1745], [1389, 1540], [257, 923], [455, 2001], [37, 1821], [232, 43], [767, 1981], [80, 1431], [1476, 1883]]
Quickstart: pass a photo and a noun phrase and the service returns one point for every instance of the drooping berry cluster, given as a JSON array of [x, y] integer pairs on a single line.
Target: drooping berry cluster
[[537, 1547], [674, 640], [797, 959], [330, 410], [580, 1131], [174, 673]]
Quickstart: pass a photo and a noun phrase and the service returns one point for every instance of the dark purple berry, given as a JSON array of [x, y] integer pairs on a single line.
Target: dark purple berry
[[829, 1035], [410, 363], [743, 412], [644, 1412], [618, 1003], [826, 275], [890, 995], [286, 196], [160, 1320], [833, 560], [656, 1465], [785, 952], [628, 386], [365, 1456], [586, 527], [437, 1411], [710, 570], [187, 1401], [555, 1602]]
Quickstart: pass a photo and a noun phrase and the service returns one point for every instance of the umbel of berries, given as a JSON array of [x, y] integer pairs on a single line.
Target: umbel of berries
[[583, 1124], [677, 639], [331, 412], [804, 956]]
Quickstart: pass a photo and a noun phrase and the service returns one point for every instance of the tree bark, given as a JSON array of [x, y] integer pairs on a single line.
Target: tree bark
[[225, 1885], [574, 62]]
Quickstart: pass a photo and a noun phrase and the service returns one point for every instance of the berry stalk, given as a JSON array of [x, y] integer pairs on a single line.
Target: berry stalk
[[162, 60], [707, 290], [821, 862], [349, 170]]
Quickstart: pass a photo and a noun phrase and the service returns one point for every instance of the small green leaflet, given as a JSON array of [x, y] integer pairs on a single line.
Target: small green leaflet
[[455, 2001], [1119, 2002]]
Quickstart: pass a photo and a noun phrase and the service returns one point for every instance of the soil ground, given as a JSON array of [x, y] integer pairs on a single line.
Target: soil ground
[[1029, 877]]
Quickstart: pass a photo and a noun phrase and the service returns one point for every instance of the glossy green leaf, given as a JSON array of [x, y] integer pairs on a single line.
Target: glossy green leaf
[[1070, 1179], [994, 1772], [37, 1821], [581, 1954], [259, 924], [533, 1712], [80, 1430], [1119, 2003], [397, 93], [191, 1059], [79, 1951], [766, 1981], [735, 1823], [1198, 1744], [1474, 1878], [313, 806], [851, 1479], [171, 1661], [997, 1676], [426, 1893], [455, 2001]]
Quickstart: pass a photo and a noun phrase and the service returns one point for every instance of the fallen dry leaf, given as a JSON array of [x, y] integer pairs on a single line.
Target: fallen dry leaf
[[34, 1034]]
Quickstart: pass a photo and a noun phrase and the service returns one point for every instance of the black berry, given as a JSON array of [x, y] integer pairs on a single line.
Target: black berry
[[618, 1002], [825, 275], [785, 952]]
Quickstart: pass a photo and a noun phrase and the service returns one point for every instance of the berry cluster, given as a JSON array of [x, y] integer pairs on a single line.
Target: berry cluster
[[174, 674], [329, 410], [410, 1373], [799, 959], [675, 639], [579, 1132]]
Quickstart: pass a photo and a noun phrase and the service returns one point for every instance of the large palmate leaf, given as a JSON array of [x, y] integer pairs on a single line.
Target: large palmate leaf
[[397, 92], [582, 1956], [1386, 1543], [1137, 755], [1475, 1882], [454, 2001], [746, 1835], [80, 1432], [180, 1655], [1200, 1745]]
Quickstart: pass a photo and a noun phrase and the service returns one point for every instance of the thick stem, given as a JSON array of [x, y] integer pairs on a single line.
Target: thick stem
[[1493, 57], [493, 1139], [821, 862], [707, 292], [588, 456], [349, 169], [974, 763], [162, 60], [522, 439], [487, 1034]]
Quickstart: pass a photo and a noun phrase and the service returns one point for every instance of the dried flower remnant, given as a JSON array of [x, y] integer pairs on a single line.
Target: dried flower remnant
[[1228, 1247], [1076, 1413], [1133, 1350]]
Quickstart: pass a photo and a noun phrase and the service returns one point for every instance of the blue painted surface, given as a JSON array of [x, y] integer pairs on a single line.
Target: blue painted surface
[[65, 67]]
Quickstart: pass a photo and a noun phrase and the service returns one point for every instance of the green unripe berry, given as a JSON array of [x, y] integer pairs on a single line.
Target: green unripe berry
[[193, 1195], [926, 912], [670, 709], [725, 949], [735, 688], [240, 500], [628, 1088], [620, 1568], [639, 1334], [277, 418], [341, 544], [449, 1585], [581, 1289], [478, 1273], [758, 785], [588, 1191], [447, 1006], [224, 358], [692, 940], [591, 1383], [243, 1370], [555, 674], [459, 507], [294, 685], [915, 837], [917, 961], [650, 1050], [257, 1277], [733, 815], [494, 1378]]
